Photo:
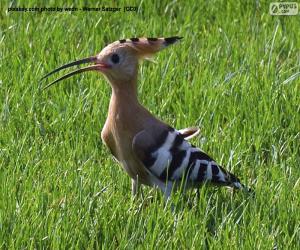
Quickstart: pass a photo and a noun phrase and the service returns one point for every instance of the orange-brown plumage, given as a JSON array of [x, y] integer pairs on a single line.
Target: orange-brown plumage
[[150, 151]]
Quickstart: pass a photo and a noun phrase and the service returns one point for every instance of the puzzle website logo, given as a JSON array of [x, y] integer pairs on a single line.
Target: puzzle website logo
[[283, 9]]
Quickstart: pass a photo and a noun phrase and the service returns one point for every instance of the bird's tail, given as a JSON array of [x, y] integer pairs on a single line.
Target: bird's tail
[[235, 183]]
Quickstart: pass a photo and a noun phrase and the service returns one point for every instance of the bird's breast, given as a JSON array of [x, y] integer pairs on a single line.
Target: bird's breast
[[117, 134]]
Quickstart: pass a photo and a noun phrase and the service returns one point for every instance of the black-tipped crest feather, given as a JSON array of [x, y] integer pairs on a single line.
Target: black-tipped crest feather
[[171, 40]]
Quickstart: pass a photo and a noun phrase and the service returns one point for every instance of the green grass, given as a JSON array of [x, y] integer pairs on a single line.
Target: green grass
[[235, 74]]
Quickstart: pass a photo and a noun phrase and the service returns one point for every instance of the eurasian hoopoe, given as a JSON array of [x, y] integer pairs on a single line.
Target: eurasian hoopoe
[[150, 151]]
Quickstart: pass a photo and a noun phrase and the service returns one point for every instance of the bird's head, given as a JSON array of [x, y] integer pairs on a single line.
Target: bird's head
[[118, 61]]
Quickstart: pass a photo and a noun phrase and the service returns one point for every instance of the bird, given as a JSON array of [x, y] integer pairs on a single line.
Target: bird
[[150, 151]]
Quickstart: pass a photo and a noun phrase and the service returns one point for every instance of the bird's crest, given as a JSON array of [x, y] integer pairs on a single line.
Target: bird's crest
[[146, 47]]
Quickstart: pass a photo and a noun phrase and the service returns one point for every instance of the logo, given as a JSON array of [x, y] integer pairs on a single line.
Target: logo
[[283, 9]]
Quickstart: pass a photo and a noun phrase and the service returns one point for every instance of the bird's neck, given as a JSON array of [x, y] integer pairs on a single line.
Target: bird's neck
[[125, 91], [125, 112], [124, 95]]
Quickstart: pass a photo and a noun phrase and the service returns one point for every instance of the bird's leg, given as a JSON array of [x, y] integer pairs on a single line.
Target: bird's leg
[[167, 190], [134, 187]]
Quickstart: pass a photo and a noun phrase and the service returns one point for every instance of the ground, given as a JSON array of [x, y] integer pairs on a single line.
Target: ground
[[235, 74]]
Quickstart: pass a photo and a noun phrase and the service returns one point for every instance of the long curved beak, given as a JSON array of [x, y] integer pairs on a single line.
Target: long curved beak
[[97, 66]]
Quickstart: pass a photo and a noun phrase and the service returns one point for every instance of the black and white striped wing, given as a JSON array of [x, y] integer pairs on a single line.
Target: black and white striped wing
[[165, 153]]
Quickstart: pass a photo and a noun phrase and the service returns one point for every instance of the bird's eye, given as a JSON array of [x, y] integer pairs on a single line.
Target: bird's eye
[[115, 58]]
